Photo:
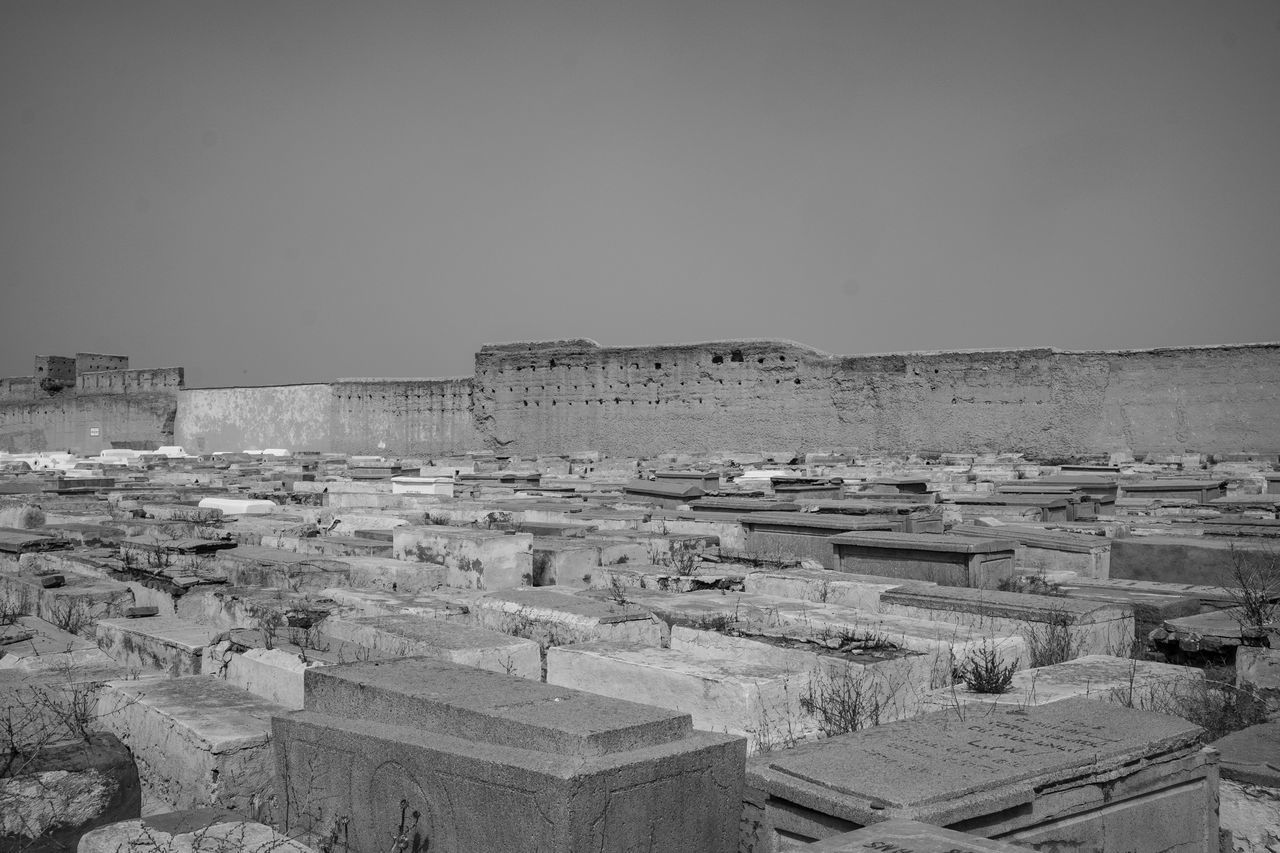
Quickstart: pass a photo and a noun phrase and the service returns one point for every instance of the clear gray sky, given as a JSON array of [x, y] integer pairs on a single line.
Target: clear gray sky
[[271, 191]]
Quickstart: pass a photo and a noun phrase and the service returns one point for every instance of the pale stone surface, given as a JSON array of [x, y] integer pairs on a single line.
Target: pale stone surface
[[1252, 814], [170, 644], [475, 559], [408, 636], [34, 645], [755, 699], [197, 742], [236, 506], [273, 674], [1258, 667], [1121, 681]]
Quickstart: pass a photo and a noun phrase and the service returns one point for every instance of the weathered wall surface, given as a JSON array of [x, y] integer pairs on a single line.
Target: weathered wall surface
[[1204, 398], [87, 423], [404, 415], [296, 417], [749, 395], [562, 396], [351, 416], [574, 395]]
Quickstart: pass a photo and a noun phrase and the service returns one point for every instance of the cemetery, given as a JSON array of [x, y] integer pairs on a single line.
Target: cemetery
[[595, 632]]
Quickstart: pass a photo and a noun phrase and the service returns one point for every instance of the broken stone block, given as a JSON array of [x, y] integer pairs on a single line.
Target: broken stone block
[[197, 742], [1258, 669], [51, 795], [456, 758]]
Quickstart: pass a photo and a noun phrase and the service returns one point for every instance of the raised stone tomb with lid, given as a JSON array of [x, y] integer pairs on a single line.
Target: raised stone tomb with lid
[[488, 762], [1074, 774], [942, 559]]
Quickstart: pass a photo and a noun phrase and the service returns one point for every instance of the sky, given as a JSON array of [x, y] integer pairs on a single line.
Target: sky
[[281, 191]]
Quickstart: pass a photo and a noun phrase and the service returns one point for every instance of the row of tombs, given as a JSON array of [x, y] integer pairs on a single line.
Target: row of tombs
[[314, 652]]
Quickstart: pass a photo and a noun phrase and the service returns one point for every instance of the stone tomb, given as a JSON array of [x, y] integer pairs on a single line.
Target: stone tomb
[[943, 559], [1074, 774], [454, 758]]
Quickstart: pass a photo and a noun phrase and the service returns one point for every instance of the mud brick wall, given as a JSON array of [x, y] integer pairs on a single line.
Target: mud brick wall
[[564, 396]]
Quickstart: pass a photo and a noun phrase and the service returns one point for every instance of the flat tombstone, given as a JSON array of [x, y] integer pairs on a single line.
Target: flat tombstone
[[488, 762], [908, 836], [1057, 776]]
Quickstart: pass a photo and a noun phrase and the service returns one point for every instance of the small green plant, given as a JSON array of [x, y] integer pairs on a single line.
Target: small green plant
[[984, 671], [441, 519], [622, 560]]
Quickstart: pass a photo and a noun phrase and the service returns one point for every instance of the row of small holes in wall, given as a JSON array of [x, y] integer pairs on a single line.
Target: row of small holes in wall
[[616, 401], [512, 390], [735, 356]]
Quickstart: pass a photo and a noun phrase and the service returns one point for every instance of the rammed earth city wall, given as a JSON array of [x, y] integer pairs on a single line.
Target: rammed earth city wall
[[562, 396]]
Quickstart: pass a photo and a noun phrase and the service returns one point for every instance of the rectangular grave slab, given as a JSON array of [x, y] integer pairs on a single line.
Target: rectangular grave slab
[[942, 559], [419, 636], [1087, 556], [169, 644], [1200, 491], [564, 562], [807, 535], [1145, 685], [1074, 626], [475, 559], [1074, 774], [494, 763], [553, 618]]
